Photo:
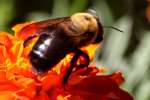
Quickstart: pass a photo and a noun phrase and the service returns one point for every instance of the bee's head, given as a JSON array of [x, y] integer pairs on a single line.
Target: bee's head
[[84, 22], [89, 24]]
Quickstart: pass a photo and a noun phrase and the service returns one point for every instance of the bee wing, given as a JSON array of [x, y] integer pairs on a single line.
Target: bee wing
[[34, 28]]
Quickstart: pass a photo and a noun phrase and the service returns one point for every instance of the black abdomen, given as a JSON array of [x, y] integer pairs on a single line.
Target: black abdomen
[[48, 51]]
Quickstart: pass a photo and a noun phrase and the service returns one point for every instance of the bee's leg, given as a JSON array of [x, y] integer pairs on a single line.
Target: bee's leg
[[28, 39], [73, 63], [86, 57]]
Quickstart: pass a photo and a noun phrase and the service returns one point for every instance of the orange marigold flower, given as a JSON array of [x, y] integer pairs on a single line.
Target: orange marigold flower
[[20, 82]]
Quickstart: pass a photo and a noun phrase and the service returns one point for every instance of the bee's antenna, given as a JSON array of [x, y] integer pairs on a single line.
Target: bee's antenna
[[114, 28], [93, 12]]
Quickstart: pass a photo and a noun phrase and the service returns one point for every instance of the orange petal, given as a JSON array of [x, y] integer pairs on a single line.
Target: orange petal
[[96, 87], [78, 75], [16, 50], [3, 54], [117, 76], [50, 81], [23, 72], [6, 39], [23, 31], [18, 27], [41, 96], [8, 85], [3, 75], [7, 95]]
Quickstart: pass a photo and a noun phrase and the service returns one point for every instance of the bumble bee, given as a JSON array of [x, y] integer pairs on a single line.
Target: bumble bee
[[58, 37]]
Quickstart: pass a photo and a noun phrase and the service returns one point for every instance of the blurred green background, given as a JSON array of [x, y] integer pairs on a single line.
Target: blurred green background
[[128, 52]]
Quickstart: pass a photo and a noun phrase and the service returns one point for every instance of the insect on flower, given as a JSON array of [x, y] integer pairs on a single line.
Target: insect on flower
[[58, 37]]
